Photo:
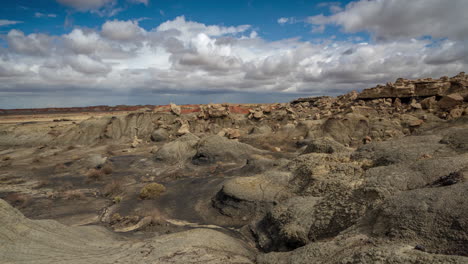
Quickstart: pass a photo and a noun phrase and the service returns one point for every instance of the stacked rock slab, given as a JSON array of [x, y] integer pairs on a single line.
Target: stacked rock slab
[[404, 88]]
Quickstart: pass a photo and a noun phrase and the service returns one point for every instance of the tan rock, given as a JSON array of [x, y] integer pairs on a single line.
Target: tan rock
[[429, 88], [456, 113], [217, 110], [415, 105], [450, 101], [415, 123], [232, 133], [184, 128], [136, 142], [175, 109], [367, 140], [429, 103], [397, 103]]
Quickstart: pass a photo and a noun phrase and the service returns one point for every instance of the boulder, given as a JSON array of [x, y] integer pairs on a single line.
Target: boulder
[[159, 134], [175, 109], [258, 130], [216, 148], [450, 101], [179, 150], [441, 224], [323, 145], [429, 103]]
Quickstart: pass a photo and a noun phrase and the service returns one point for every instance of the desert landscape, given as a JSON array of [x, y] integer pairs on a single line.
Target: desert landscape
[[378, 176]]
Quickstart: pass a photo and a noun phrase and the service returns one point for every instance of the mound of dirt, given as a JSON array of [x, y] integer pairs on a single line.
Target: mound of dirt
[[46, 241]]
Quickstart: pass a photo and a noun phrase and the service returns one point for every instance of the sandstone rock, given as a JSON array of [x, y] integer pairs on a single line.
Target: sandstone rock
[[450, 101], [429, 103], [233, 133], [415, 105], [175, 109], [217, 110], [430, 88], [136, 141], [184, 128], [456, 113], [403, 88], [415, 122], [397, 103]]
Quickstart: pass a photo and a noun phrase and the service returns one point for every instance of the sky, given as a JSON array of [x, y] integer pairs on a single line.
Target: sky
[[56, 53]]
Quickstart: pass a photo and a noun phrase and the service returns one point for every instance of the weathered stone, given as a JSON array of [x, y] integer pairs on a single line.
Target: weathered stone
[[432, 88], [450, 101], [184, 129], [415, 104], [175, 109], [456, 113], [136, 141], [429, 103], [403, 88], [159, 134], [416, 123]]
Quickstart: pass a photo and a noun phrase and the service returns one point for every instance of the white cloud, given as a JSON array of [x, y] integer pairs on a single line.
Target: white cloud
[[86, 5], [283, 20], [103, 8], [334, 7], [318, 29], [122, 30], [87, 65], [390, 19], [145, 2], [39, 15], [181, 56], [191, 29], [33, 44], [288, 20], [6, 22]]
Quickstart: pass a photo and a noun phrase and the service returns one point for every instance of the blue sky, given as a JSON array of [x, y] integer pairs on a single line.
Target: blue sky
[[88, 52], [261, 14]]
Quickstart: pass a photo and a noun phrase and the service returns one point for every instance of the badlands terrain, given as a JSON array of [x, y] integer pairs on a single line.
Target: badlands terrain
[[373, 177]]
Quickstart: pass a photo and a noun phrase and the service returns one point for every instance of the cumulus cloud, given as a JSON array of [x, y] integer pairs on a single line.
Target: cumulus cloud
[[6, 22], [181, 56], [122, 30], [334, 7], [390, 19], [33, 44]]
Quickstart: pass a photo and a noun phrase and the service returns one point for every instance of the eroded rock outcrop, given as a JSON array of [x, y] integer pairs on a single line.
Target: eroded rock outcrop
[[404, 88]]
